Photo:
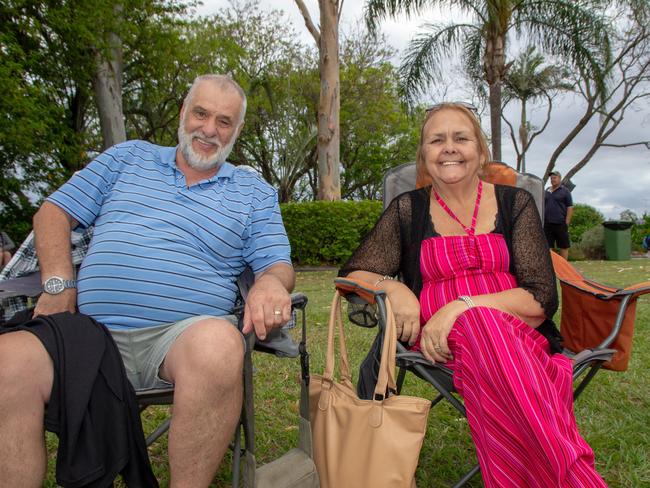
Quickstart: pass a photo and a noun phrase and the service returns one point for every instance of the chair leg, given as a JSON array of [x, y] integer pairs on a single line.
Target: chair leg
[[247, 422], [236, 456], [585, 381], [162, 428], [468, 476]]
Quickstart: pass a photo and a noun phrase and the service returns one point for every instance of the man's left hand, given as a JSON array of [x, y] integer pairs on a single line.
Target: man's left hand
[[268, 306]]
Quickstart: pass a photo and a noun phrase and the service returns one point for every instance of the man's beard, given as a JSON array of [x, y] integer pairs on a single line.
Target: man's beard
[[197, 161]]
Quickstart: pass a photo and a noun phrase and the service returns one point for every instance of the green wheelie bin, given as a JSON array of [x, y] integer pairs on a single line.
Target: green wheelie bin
[[618, 240]]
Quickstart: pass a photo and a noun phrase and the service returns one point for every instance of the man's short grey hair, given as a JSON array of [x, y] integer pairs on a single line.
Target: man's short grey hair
[[221, 81]]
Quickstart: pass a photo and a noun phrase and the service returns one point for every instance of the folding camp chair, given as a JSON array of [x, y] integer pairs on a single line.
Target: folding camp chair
[[20, 285], [368, 303], [596, 316]]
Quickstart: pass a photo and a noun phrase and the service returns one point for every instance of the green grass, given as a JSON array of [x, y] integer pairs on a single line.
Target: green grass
[[613, 413]]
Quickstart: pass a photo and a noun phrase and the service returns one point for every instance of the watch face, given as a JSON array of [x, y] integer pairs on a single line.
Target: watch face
[[53, 285]]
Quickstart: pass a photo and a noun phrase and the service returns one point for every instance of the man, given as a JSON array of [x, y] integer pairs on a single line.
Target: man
[[174, 227], [558, 210]]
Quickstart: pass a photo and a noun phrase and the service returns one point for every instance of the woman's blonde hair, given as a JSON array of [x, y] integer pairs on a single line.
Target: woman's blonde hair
[[423, 177]]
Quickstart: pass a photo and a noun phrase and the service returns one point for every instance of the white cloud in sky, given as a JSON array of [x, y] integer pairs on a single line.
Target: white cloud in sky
[[614, 179]]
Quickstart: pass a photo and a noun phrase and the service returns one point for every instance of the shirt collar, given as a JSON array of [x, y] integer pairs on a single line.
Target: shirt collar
[[226, 170]]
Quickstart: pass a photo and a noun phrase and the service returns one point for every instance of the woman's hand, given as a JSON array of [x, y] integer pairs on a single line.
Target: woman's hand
[[435, 332], [406, 309]]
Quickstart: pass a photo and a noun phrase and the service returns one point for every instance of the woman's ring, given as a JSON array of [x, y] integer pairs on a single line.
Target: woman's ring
[[277, 312], [437, 348]]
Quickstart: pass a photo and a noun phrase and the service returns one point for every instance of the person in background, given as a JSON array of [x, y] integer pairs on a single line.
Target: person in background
[[6, 245], [558, 210]]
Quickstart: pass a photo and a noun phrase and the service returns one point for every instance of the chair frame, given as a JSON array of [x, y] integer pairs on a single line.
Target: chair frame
[[30, 287]]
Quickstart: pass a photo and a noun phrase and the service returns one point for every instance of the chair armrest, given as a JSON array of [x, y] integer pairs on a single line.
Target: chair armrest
[[589, 355], [365, 290], [638, 289]]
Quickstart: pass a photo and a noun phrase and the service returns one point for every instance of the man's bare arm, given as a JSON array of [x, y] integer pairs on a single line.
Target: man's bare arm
[[269, 304], [569, 215], [52, 227]]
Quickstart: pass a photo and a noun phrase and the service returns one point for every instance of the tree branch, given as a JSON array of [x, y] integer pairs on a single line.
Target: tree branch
[[308, 22], [630, 144]]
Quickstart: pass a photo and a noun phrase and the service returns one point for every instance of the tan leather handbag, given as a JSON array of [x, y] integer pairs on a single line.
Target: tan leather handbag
[[364, 443]]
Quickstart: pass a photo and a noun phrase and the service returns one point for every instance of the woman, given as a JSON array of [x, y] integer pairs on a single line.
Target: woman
[[478, 290]]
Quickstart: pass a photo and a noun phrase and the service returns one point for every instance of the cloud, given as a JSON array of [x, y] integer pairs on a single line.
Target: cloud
[[614, 179]]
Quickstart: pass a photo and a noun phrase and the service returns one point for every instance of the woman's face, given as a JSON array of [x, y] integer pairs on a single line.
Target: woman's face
[[450, 147]]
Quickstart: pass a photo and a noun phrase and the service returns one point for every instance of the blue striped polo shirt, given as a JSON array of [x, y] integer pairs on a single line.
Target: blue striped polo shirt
[[161, 251]]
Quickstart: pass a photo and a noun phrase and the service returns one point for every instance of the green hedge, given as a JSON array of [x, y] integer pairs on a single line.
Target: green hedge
[[326, 233]]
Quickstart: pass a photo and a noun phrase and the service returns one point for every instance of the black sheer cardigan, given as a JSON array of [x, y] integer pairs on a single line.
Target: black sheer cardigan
[[392, 247]]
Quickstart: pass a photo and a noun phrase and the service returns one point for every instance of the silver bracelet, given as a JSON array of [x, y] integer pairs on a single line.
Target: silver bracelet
[[468, 301], [383, 278]]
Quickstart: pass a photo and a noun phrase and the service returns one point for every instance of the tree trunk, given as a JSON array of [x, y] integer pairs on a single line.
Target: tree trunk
[[329, 180], [495, 68], [523, 137], [107, 85]]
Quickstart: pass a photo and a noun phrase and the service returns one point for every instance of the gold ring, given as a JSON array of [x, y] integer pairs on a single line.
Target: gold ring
[[437, 348], [277, 312]]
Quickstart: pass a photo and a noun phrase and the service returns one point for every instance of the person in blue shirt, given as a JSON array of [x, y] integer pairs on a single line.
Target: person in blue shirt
[[173, 229], [558, 210]]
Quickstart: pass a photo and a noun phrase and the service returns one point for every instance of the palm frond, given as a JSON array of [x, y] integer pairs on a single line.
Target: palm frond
[[377, 10], [424, 56], [570, 30]]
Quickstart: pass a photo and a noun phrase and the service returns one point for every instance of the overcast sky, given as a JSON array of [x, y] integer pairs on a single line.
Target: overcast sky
[[614, 179]]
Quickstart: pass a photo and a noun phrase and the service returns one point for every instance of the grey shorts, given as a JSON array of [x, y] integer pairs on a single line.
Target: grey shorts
[[143, 350]]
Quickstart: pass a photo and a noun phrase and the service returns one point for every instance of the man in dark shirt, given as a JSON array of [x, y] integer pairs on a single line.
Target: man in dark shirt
[[558, 210]]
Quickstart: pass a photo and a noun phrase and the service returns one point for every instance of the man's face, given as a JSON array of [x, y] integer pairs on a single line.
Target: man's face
[[555, 181], [209, 126]]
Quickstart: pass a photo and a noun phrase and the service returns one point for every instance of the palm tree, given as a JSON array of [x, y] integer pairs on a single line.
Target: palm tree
[[572, 30], [526, 80]]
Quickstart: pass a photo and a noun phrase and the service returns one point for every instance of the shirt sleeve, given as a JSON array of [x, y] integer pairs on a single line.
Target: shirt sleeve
[[380, 250], [569, 199], [266, 243], [533, 268], [83, 195]]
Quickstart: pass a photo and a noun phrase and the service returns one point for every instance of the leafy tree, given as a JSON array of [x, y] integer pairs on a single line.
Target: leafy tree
[[627, 89], [569, 29], [584, 217], [628, 215], [280, 77], [377, 132], [529, 79], [47, 64]]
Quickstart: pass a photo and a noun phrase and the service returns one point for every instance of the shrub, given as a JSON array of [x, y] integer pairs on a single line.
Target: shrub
[[639, 231], [592, 244], [584, 217], [327, 232]]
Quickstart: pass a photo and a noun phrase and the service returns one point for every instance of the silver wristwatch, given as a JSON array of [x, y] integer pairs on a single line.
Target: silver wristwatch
[[55, 285]]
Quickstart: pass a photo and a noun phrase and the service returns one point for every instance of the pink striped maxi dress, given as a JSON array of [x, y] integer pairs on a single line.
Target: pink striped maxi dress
[[518, 397]]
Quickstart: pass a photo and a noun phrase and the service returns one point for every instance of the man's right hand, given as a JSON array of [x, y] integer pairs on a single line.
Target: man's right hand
[[47, 304]]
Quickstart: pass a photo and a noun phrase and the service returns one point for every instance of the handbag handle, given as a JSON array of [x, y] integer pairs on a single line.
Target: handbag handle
[[386, 378], [336, 319]]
